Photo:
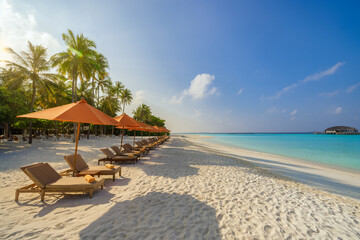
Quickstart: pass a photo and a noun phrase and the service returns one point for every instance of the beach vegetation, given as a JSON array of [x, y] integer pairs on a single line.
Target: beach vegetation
[[30, 70], [32, 82]]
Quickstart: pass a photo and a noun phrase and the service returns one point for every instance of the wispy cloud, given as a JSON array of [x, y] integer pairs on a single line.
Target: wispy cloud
[[329, 94], [200, 87], [139, 97], [353, 87], [272, 110], [313, 77], [292, 115], [336, 110], [240, 91], [284, 90], [17, 28], [319, 75]]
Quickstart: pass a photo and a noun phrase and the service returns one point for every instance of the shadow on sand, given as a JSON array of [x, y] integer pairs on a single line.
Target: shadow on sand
[[68, 201], [156, 216]]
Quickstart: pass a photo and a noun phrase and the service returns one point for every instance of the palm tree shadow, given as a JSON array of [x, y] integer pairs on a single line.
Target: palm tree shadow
[[156, 216]]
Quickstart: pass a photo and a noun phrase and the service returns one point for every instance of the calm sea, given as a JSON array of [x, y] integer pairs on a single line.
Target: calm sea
[[337, 150]]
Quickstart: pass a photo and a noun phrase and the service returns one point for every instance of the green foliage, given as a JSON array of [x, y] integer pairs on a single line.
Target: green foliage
[[143, 114], [156, 121], [28, 83], [12, 104]]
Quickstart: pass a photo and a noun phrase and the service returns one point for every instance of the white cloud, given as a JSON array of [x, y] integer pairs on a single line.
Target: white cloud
[[139, 98], [272, 110], [329, 94], [17, 29], [284, 90], [313, 77], [353, 87], [336, 110], [319, 75], [199, 88], [293, 113], [240, 91]]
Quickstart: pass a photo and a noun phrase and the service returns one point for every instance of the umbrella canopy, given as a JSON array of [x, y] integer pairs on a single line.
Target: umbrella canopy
[[125, 121], [79, 112]]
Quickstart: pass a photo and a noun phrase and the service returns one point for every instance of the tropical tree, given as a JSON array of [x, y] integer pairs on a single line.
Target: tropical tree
[[102, 84], [142, 113], [99, 70], [31, 70], [109, 103], [77, 61], [13, 103], [126, 98]]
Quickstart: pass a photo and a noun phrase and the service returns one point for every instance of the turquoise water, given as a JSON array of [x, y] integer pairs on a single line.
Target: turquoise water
[[336, 150]]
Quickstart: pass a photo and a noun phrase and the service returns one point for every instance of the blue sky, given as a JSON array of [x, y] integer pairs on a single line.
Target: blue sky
[[215, 66]]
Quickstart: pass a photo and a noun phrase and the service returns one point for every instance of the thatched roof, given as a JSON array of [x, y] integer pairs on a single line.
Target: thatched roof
[[341, 129]]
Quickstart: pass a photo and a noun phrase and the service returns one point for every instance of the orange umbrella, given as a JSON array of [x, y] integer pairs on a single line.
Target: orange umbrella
[[143, 127], [125, 121], [79, 112]]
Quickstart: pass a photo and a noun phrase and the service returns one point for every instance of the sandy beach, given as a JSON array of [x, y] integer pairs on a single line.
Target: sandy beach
[[179, 191]]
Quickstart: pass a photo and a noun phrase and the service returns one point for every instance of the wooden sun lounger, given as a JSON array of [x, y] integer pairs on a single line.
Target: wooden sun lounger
[[111, 157], [83, 169], [46, 179], [142, 150]]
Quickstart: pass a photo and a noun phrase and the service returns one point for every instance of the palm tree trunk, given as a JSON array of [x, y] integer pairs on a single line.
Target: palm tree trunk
[[56, 130], [72, 98], [31, 110]]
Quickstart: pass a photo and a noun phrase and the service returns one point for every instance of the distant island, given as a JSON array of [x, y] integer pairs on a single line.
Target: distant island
[[340, 130]]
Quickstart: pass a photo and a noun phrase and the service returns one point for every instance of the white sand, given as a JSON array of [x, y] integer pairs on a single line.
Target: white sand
[[341, 181], [181, 191]]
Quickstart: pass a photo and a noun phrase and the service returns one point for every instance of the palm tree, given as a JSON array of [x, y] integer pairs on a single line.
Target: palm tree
[[109, 103], [30, 69], [101, 85], [99, 70], [76, 61], [142, 113], [126, 98]]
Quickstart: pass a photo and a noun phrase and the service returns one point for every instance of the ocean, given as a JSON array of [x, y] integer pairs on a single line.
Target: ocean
[[333, 150]]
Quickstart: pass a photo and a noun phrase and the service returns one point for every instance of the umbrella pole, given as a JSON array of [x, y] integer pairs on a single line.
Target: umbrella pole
[[122, 135], [134, 139], [76, 147]]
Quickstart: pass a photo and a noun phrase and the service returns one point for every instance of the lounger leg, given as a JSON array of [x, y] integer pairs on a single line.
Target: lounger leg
[[102, 186], [90, 193], [42, 193], [17, 195], [120, 173], [114, 177]]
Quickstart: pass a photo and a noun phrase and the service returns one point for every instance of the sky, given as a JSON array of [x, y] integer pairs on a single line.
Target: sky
[[214, 66]]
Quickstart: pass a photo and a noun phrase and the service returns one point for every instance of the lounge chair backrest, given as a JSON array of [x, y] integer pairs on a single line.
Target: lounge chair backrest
[[81, 165], [42, 174], [116, 150], [139, 144], [126, 148], [130, 147], [107, 152]]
